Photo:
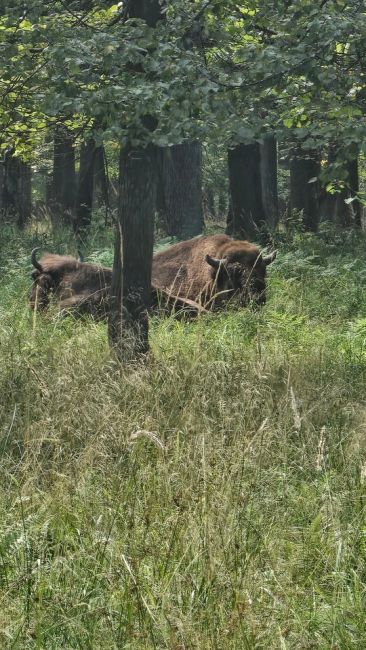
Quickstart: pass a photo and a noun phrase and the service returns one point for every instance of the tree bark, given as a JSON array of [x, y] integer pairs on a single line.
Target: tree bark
[[182, 181], [131, 283], [304, 190], [334, 206], [223, 203], [84, 200], [25, 194], [2, 173], [64, 178], [16, 189], [100, 177], [209, 202], [128, 324], [161, 209], [268, 157], [353, 186], [247, 213]]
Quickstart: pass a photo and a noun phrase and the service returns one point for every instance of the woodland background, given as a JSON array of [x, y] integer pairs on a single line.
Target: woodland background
[[213, 495]]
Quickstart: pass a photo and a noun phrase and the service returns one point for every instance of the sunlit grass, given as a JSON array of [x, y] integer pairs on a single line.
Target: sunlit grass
[[211, 498]]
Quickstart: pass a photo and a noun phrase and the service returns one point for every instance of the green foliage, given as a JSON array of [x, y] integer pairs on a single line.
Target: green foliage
[[212, 498], [209, 70]]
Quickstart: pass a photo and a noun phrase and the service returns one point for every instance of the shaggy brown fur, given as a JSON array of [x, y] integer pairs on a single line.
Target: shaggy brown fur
[[212, 270], [75, 285]]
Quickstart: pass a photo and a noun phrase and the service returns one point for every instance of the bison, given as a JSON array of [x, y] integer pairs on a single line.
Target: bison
[[213, 269], [77, 286], [195, 275]]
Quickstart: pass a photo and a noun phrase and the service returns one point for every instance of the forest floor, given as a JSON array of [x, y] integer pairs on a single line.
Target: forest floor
[[213, 498]]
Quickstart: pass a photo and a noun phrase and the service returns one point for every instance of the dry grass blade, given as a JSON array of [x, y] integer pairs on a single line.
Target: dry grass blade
[[147, 434]]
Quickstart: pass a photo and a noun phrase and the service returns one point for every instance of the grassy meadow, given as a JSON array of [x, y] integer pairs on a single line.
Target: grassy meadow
[[213, 498]]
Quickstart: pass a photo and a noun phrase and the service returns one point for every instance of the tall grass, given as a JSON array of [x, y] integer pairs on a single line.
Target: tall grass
[[211, 498]]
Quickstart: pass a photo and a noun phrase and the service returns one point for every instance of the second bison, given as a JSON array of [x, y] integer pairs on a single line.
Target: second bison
[[212, 270]]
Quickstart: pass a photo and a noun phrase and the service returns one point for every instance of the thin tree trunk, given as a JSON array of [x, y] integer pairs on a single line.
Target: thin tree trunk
[[248, 216], [210, 202], [64, 178], [268, 155], [100, 176], [304, 186], [223, 204], [131, 284], [353, 183], [84, 200], [182, 179]]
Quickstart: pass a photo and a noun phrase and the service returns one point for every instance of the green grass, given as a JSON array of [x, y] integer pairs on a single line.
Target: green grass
[[213, 498]]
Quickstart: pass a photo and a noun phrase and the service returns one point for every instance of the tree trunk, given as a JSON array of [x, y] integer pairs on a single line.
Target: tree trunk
[[182, 182], [2, 174], [304, 186], [100, 177], [353, 185], [84, 200], [131, 283], [64, 178], [268, 156], [24, 194], [248, 217], [16, 189], [210, 202], [334, 207], [128, 323], [223, 204]]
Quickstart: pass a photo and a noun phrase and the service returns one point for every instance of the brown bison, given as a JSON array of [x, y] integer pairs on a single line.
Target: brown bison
[[76, 286], [212, 270]]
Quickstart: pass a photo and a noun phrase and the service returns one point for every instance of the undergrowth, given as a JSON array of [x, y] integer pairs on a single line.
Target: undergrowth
[[211, 498]]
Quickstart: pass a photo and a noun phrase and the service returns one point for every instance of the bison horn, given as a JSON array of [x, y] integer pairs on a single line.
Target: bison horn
[[34, 260], [270, 258], [214, 261]]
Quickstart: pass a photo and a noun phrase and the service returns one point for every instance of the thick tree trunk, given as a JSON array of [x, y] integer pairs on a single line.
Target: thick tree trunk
[[335, 207], [128, 324], [64, 178], [148, 10], [16, 189], [2, 173], [161, 210], [304, 186], [268, 155], [247, 215], [131, 284], [84, 200], [182, 182], [25, 194]]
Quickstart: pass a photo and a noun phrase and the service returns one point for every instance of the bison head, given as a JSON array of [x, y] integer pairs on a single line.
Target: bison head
[[43, 284], [39, 296], [241, 277]]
